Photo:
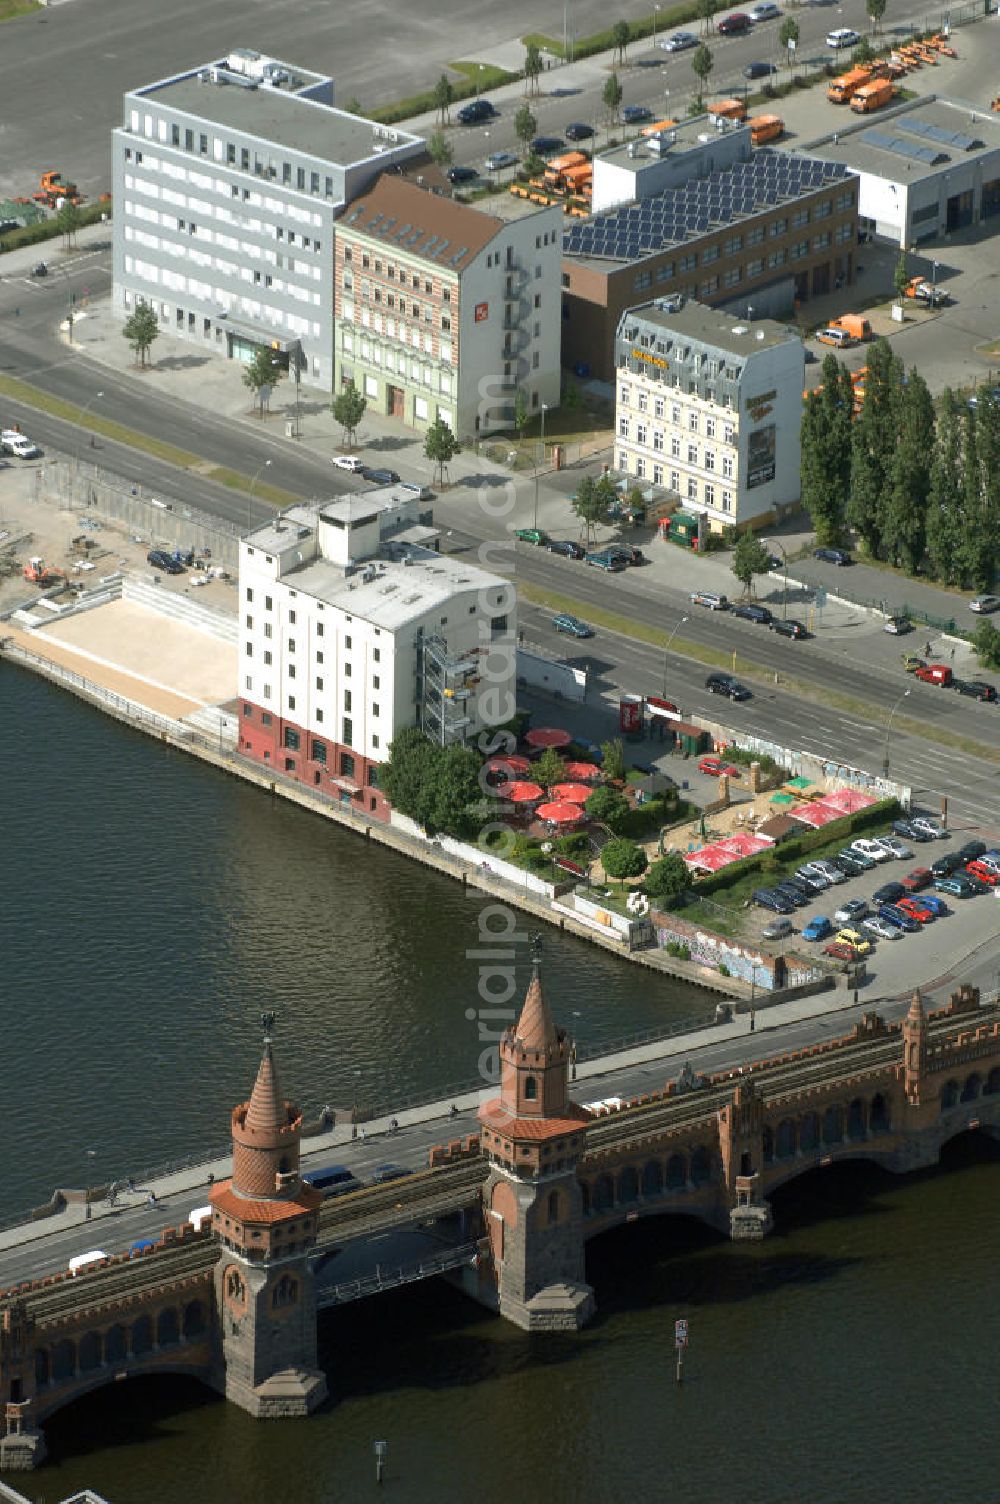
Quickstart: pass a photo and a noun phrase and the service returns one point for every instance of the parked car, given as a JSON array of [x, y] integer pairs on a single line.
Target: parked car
[[798, 896], [817, 928], [680, 41], [767, 898], [573, 625], [13, 441], [160, 559], [476, 111], [628, 553], [990, 859], [852, 936], [710, 599], [934, 673], [777, 929], [894, 846], [40, 269], [870, 849], [937, 906], [498, 160], [349, 462], [717, 766], [766, 10], [788, 628], [532, 535], [382, 1173], [919, 878], [832, 555], [908, 831], [894, 915], [985, 874], [881, 928], [604, 559], [635, 114], [958, 887], [916, 910], [734, 25], [985, 603], [898, 626], [859, 858], [977, 689], [759, 70], [911, 662], [849, 865], [843, 36], [460, 174], [567, 548], [840, 950], [930, 828], [814, 880], [946, 864], [851, 910], [578, 131], [759, 614], [888, 893], [544, 146], [972, 850], [379, 476], [725, 684]]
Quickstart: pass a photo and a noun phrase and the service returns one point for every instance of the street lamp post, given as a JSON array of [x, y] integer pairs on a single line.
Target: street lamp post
[[888, 726], [541, 461], [95, 398], [257, 475], [666, 650], [656, 12], [784, 560], [69, 295]]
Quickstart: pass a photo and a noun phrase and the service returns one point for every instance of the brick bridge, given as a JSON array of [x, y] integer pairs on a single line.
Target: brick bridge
[[236, 1305]]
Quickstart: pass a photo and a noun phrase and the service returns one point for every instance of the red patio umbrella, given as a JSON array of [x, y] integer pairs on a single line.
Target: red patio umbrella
[[583, 771], [573, 793], [561, 813], [508, 766], [520, 793], [548, 736]]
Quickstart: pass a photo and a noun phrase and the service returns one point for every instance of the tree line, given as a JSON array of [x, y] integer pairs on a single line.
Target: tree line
[[918, 483]]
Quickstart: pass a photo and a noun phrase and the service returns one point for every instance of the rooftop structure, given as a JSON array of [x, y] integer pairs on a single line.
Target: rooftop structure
[[649, 164]]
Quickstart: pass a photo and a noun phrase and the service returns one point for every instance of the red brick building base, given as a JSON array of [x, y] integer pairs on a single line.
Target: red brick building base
[[311, 759]]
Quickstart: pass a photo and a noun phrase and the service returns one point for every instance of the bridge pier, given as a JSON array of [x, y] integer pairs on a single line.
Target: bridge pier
[[22, 1447]]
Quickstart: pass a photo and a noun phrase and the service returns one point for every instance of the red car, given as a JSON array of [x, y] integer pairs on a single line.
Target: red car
[[915, 909], [920, 877], [840, 951], [984, 873], [717, 767]]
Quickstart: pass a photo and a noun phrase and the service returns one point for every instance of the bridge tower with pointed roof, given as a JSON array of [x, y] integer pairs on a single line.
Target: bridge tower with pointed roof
[[533, 1136], [266, 1220]]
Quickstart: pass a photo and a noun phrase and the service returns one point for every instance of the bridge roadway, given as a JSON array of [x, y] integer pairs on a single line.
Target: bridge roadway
[[424, 1197]]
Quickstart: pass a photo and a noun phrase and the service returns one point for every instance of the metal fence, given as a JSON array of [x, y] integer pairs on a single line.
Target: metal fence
[[160, 520]]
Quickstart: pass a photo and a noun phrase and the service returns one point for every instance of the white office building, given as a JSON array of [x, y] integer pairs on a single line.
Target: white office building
[[228, 179], [352, 627]]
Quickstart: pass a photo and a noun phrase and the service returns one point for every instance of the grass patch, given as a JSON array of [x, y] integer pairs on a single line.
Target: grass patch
[[11, 9], [466, 86], [483, 76], [544, 43], [118, 433], [570, 425]]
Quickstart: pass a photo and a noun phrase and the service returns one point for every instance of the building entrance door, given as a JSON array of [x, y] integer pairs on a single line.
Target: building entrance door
[[394, 401]]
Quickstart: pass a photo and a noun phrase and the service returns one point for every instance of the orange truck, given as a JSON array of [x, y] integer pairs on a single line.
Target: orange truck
[[656, 126], [578, 181], [853, 324], [765, 128], [842, 88], [729, 109], [558, 167], [873, 96]]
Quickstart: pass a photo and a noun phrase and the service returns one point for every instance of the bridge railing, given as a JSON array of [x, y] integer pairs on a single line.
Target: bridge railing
[[391, 1279]]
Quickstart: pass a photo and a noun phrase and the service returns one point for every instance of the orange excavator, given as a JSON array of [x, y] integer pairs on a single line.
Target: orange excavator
[[52, 189], [37, 572]]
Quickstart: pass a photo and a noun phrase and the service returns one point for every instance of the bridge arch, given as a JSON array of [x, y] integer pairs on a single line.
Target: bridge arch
[[89, 1353], [142, 1336], [652, 1178], [767, 1144], [833, 1124], [701, 1165], [809, 1132], [115, 1344], [880, 1117], [168, 1332], [857, 1120], [42, 1374], [992, 1083], [585, 1203], [604, 1193], [972, 1089], [63, 1360], [949, 1095], [786, 1139], [628, 1184], [676, 1172]]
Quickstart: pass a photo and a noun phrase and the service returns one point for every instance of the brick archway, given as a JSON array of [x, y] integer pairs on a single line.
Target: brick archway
[[142, 1336], [652, 1178], [195, 1320], [785, 1142], [676, 1172], [857, 1121], [972, 1088], [90, 1352], [116, 1344], [63, 1360], [880, 1117], [628, 1184]]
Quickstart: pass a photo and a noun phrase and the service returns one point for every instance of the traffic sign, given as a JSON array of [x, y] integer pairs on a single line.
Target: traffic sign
[[820, 597], [681, 1332]]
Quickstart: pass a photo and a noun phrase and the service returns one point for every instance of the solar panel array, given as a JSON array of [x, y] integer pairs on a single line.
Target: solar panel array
[[678, 214], [910, 149], [955, 139]]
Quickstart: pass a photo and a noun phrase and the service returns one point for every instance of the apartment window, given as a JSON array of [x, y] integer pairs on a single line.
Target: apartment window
[[675, 480], [291, 671], [623, 427], [376, 654], [692, 489], [291, 644], [319, 752], [732, 276], [820, 242], [189, 141], [624, 393], [728, 434], [292, 618], [727, 501], [709, 254], [800, 218], [642, 401], [799, 250], [693, 420], [267, 658], [291, 740], [291, 702], [319, 658], [657, 475], [347, 699], [249, 623], [640, 467], [727, 467], [347, 671], [845, 233], [375, 707], [319, 715], [675, 413], [675, 447], [823, 211], [755, 235], [754, 268], [692, 454], [347, 737], [249, 649], [709, 459], [249, 683], [658, 407], [778, 227], [640, 433], [777, 258], [734, 244], [710, 428], [203, 145], [658, 439]]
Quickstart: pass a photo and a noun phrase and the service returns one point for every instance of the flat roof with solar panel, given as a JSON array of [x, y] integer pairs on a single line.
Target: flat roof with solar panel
[[915, 140]]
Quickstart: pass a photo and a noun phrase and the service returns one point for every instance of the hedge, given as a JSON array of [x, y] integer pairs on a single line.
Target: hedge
[[48, 229]]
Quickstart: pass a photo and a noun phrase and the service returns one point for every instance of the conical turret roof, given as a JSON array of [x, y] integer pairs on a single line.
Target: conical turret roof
[[916, 1014], [535, 1028], [266, 1110]]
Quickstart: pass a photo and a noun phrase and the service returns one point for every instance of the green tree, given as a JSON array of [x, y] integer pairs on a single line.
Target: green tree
[[613, 759], [946, 495], [608, 805], [588, 505], [442, 95], [408, 772], [827, 420], [873, 443], [706, 10], [262, 374], [900, 279], [982, 545], [439, 149], [441, 446], [667, 878], [348, 408], [525, 125], [520, 412], [750, 557], [970, 547], [69, 220], [548, 769], [876, 10], [140, 329], [702, 63], [532, 67], [621, 34], [454, 792], [353, 106], [606, 492], [622, 858], [789, 32], [986, 641], [864, 52], [909, 477], [611, 95]]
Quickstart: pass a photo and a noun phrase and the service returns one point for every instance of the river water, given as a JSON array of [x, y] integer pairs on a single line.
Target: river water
[[151, 908]]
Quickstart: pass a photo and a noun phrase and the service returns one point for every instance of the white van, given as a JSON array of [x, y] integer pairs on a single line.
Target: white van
[[82, 1260], [410, 488], [839, 338], [12, 441], [199, 1215]]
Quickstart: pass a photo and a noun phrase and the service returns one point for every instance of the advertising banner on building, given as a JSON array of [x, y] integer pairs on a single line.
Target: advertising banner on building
[[761, 445], [630, 716]]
